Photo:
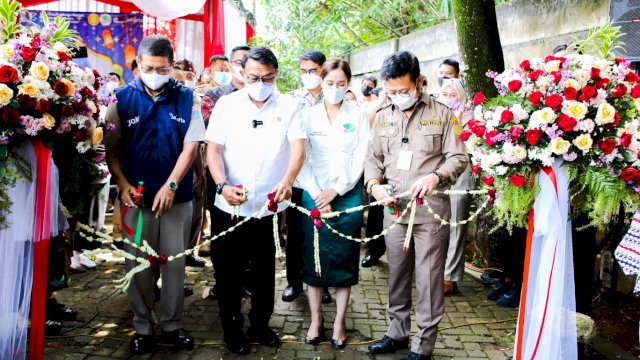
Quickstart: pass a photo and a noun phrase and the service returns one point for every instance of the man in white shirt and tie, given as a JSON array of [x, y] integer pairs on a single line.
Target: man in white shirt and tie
[[255, 147]]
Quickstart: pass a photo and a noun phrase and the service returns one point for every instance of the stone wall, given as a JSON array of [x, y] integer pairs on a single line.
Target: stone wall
[[528, 28]]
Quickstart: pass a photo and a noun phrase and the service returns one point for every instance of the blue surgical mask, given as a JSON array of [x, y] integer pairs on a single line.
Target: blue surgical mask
[[222, 78]]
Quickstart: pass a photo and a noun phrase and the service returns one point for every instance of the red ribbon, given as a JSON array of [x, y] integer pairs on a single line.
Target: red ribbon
[[41, 236], [273, 205], [156, 260], [137, 198]]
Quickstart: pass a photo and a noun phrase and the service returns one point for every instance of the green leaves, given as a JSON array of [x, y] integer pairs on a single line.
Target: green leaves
[[601, 41], [9, 12]]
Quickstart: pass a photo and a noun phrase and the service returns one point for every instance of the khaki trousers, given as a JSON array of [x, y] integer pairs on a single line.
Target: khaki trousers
[[426, 257]]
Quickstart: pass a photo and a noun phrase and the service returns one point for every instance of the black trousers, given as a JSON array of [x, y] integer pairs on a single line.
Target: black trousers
[[231, 255], [374, 227], [295, 238]]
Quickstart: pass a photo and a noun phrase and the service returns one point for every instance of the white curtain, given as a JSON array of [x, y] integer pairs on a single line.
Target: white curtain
[[190, 42], [169, 9]]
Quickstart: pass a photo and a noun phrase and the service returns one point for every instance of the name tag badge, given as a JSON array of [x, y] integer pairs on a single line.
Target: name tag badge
[[404, 160]]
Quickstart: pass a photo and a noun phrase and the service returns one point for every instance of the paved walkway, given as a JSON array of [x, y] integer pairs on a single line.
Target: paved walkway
[[472, 327]]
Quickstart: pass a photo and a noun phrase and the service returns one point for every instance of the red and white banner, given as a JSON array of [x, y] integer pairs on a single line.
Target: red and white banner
[[547, 319]]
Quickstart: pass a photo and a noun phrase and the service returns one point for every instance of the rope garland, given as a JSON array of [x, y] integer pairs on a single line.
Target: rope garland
[[152, 259]]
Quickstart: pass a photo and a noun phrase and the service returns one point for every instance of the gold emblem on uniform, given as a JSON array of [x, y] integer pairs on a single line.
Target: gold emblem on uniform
[[433, 122], [453, 119], [457, 129]]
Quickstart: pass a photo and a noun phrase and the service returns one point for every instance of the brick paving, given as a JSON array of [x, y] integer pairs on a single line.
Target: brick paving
[[472, 327]]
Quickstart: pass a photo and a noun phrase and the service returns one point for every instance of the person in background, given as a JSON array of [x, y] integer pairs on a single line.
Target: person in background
[[351, 96], [114, 81], [189, 73], [338, 132], [237, 82], [424, 85], [369, 83], [449, 69], [453, 95], [310, 94], [407, 153], [255, 118], [177, 74], [219, 70], [134, 69], [145, 116]]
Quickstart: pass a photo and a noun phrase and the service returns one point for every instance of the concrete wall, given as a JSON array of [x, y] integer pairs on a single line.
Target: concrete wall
[[528, 28]]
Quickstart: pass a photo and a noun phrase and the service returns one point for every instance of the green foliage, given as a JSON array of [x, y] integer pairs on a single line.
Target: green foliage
[[514, 203], [9, 12], [12, 169], [601, 41]]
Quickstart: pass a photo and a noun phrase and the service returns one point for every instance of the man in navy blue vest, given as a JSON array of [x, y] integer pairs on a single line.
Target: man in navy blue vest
[[158, 127]]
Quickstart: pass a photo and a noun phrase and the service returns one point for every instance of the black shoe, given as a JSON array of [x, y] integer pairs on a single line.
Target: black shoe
[[387, 345], [52, 328], [416, 356], [194, 261], [318, 339], [326, 296], [188, 290], [265, 336], [179, 338], [237, 342], [370, 260], [142, 344], [339, 344], [511, 298], [500, 288], [59, 312], [290, 293]]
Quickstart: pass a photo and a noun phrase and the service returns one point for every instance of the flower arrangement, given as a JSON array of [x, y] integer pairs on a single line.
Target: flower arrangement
[[43, 93], [582, 109]]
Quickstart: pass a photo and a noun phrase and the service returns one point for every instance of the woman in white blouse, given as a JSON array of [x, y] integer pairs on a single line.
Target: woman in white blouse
[[337, 133]]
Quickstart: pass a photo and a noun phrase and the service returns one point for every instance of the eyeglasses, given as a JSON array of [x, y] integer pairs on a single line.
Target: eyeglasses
[[238, 62], [160, 70], [189, 75], [402, 93], [269, 79], [312, 71]]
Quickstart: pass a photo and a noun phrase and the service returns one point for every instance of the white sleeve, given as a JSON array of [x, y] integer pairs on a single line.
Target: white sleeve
[[217, 131], [306, 177], [296, 130], [357, 160], [196, 130]]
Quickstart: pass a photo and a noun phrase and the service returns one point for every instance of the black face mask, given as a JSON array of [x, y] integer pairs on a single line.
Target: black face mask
[[366, 90], [441, 80]]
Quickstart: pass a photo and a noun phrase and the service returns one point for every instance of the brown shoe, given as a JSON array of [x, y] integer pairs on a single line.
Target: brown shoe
[[450, 287]]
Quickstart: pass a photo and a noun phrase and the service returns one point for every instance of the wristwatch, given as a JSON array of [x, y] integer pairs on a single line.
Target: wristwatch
[[221, 186], [440, 178], [172, 185], [371, 184]]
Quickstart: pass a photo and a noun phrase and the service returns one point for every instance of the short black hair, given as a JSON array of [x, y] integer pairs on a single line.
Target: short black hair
[[376, 91], [239, 48], [454, 63], [313, 55], [156, 45], [400, 64], [261, 54], [218, 57], [116, 75], [559, 48], [134, 64], [371, 78], [424, 81]]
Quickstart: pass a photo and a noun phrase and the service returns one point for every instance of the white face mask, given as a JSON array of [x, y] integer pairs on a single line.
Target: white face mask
[[190, 83], [112, 85], [334, 95], [405, 102], [154, 81], [311, 81], [235, 72], [222, 78], [259, 91]]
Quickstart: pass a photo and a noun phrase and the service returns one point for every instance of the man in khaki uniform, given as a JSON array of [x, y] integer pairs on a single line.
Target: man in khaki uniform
[[414, 146]]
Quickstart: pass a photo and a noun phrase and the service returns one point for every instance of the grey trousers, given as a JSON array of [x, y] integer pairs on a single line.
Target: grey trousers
[[454, 267], [426, 257], [167, 235]]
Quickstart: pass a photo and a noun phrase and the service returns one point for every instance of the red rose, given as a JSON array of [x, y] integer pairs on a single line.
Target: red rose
[[26, 102], [619, 91], [525, 65], [28, 54], [588, 92], [570, 93], [489, 137], [534, 75], [472, 123], [478, 98], [476, 169], [625, 140], [60, 88], [79, 106], [11, 115], [479, 130], [533, 136], [620, 60], [557, 76], [535, 98], [81, 135], [628, 173], [488, 180], [506, 116], [602, 83], [550, 58], [88, 93], [517, 180], [67, 111], [64, 56], [607, 146], [315, 213], [515, 132], [566, 123], [43, 105], [515, 85], [554, 101], [8, 74], [595, 73], [631, 77], [464, 136], [616, 120], [635, 91]]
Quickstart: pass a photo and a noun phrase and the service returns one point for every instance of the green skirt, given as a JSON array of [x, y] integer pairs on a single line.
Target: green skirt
[[339, 257]]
